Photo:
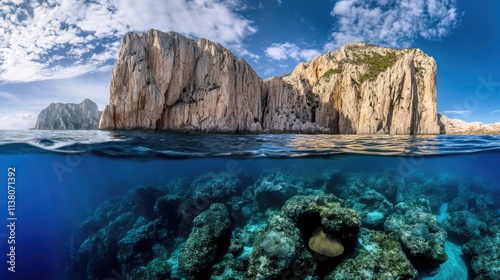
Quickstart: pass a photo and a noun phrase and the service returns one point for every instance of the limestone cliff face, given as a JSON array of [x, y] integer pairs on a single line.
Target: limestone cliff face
[[455, 126], [164, 81], [59, 116], [367, 89]]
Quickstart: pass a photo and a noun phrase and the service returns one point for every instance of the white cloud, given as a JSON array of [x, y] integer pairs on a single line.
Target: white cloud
[[269, 71], [279, 2], [22, 102], [457, 112], [288, 50], [17, 121], [496, 112], [57, 39], [394, 23]]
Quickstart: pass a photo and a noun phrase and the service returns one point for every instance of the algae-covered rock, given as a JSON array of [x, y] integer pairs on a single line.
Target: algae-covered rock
[[272, 189], [373, 208], [305, 239], [208, 240], [377, 256], [95, 249], [214, 187], [419, 231], [136, 247], [341, 222], [463, 224], [159, 268], [276, 250], [385, 183], [484, 255], [229, 268], [303, 207]]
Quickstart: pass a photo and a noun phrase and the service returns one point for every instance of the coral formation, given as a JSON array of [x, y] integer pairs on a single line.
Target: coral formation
[[419, 231], [208, 239], [377, 256], [325, 245], [324, 224], [484, 254]]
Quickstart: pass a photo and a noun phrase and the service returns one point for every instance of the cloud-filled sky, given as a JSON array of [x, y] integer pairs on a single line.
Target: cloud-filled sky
[[64, 50]]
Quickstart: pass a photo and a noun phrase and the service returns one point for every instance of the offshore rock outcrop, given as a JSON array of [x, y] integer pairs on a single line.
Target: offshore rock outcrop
[[167, 82], [456, 126], [59, 116]]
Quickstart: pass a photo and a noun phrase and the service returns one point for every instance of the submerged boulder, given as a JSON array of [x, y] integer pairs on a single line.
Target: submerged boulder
[[116, 235], [373, 208], [463, 225], [208, 241], [276, 250], [484, 254], [377, 256], [419, 231], [307, 237], [272, 189]]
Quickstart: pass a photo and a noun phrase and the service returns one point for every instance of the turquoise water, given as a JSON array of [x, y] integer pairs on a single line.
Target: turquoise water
[[67, 228]]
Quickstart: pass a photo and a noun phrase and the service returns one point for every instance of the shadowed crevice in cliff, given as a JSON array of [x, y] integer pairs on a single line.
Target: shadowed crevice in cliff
[[167, 82]]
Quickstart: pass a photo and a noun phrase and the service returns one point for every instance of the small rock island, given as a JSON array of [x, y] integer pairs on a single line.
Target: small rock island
[[59, 116]]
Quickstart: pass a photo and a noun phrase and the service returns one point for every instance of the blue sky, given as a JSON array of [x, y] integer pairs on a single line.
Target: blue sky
[[64, 50]]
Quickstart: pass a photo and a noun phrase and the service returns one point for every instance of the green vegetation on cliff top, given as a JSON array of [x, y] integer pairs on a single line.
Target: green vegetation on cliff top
[[377, 63]]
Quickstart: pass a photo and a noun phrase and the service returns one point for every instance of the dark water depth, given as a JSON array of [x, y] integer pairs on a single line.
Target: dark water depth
[[68, 228]]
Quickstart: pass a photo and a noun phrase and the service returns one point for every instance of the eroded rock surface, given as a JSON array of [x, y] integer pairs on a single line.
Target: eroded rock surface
[[167, 82]]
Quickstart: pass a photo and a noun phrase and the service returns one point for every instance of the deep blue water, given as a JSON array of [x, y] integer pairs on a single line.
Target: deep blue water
[[61, 177]]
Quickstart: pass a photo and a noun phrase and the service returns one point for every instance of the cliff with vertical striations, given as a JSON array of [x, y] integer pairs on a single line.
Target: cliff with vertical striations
[[167, 82]]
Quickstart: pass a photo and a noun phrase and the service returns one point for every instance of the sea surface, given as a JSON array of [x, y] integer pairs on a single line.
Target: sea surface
[[62, 179]]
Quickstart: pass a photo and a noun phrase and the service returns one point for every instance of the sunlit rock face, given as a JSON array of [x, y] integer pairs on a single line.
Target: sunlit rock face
[[455, 126], [167, 82]]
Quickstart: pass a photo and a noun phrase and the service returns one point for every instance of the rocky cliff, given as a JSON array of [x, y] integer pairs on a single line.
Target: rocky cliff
[[59, 116], [165, 81], [455, 126]]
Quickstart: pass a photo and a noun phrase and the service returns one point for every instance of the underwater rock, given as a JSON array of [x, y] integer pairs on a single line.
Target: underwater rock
[[214, 187], [300, 208], [272, 189], [275, 250], [234, 264], [168, 208], [326, 211], [229, 268], [94, 247], [484, 255], [136, 247], [419, 231], [334, 180], [372, 207], [385, 184], [463, 224], [479, 198], [377, 256], [354, 186], [283, 252], [208, 241], [157, 269], [341, 222], [438, 189]]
